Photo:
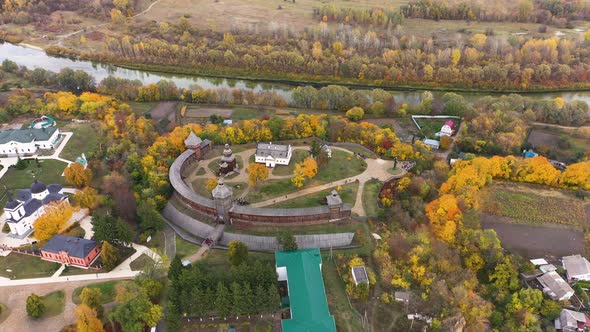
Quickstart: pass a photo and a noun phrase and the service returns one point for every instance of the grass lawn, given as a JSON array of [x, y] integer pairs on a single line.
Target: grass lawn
[[4, 312], [342, 165], [217, 259], [298, 156], [274, 230], [84, 140], [141, 108], [244, 113], [184, 248], [49, 172], [429, 127], [356, 149], [370, 197], [346, 317], [107, 289], [529, 204], [201, 171], [141, 262], [396, 171], [54, 303], [23, 267], [269, 189], [348, 195]]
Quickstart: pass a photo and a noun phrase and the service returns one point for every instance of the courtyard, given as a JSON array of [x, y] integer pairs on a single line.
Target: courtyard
[[346, 171]]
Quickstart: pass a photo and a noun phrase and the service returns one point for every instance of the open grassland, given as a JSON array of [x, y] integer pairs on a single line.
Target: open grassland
[[185, 248], [222, 15], [525, 204], [347, 193]]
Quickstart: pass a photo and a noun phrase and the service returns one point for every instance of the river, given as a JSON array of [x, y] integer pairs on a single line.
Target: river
[[36, 58]]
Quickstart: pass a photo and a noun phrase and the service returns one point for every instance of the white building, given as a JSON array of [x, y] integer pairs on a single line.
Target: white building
[[434, 144], [27, 141], [29, 205], [576, 267], [273, 154]]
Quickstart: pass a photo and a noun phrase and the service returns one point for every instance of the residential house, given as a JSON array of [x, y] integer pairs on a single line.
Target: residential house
[[572, 321], [576, 268], [555, 287]]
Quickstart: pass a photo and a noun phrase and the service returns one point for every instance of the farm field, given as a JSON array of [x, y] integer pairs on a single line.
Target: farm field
[[560, 144], [532, 205], [533, 241]]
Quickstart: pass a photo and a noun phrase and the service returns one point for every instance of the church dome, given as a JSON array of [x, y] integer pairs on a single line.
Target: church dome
[[38, 187]]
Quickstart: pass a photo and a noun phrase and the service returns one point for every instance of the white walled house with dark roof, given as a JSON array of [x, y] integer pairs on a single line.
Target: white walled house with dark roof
[[27, 141], [273, 154], [30, 204]]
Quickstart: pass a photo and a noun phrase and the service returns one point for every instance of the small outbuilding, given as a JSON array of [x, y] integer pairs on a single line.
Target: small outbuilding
[[359, 275], [432, 143]]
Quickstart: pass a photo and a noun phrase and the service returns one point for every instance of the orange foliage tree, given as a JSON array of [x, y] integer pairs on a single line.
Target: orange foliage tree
[[445, 217]]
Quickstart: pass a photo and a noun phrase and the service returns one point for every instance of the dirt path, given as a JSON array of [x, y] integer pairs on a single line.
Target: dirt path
[[15, 297], [557, 126]]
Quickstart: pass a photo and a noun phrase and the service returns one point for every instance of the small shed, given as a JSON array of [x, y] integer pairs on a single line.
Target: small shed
[[359, 274], [539, 261], [402, 296], [432, 143]]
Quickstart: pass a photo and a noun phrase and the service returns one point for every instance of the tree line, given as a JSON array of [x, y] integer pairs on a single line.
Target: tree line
[[387, 58], [198, 291], [535, 11]]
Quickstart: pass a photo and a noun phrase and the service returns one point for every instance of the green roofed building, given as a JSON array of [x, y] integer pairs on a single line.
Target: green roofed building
[[302, 270]]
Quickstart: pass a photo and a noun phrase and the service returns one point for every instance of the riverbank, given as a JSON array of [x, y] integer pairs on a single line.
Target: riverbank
[[295, 80]]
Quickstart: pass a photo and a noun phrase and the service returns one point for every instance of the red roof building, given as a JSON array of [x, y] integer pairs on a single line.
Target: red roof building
[[70, 250]]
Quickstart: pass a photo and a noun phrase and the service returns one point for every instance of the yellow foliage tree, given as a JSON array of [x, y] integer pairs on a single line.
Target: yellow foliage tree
[[76, 175], [87, 320], [87, 198], [576, 176], [257, 172], [305, 169], [211, 184], [53, 220]]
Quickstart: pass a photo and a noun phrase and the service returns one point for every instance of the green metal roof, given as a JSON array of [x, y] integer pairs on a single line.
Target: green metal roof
[[309, 306], [26, 135]]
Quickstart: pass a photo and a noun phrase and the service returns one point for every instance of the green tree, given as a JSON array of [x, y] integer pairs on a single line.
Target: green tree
[[237, 253], [175, 269], [222, 302], [111, 229], [355, 114], [260, 298], [287, 241], [92, 297], [110, 255], [273, 300], [134, 309], [315, 148], [454, 104], [550, 309], [148, 219], [35, 306], [242, 301]]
